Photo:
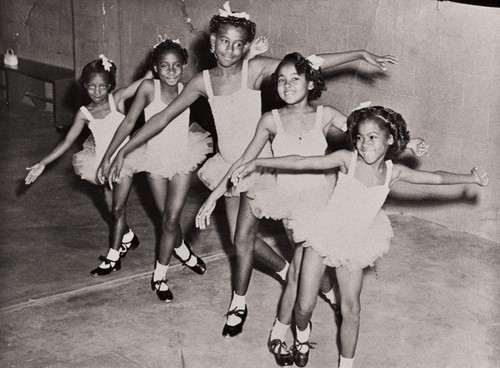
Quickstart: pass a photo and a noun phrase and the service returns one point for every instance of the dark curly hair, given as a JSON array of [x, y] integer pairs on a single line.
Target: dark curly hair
[[96, 66], [388, 120], [167, 45], [303, 67], [217, 22]]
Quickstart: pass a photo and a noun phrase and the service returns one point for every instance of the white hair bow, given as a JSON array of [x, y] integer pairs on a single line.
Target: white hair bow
[[106, 63], [163, 39], [315, 61], [228, 13], [362, 105]]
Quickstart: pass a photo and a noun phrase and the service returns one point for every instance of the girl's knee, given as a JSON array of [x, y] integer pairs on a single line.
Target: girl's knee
[[170, 223], [351, 310], [118, 211]]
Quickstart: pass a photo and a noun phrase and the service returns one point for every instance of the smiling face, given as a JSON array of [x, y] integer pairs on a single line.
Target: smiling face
[[98, 87], [372, 141], [169, 67], [292, 86], [229, 44]]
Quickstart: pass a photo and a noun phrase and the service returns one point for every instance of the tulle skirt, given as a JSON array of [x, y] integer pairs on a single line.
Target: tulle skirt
[[344, 244], [86, 163], [216, 168], [170, 161]]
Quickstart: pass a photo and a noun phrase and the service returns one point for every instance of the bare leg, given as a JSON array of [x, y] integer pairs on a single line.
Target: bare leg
[[119, 226], [158, 188], [171, 235], [263, 251], [310, 279], [350, 284]]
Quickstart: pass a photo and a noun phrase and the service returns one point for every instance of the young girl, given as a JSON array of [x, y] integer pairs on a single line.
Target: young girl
[[298, 128], [351, 231], [103, 115], [232, 88], [168, 158]]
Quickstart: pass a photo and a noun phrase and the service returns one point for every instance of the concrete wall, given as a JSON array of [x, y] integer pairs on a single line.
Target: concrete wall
[[447, 83], [47, 36]]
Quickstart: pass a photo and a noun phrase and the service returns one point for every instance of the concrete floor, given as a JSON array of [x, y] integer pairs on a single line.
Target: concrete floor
[[431, 302]]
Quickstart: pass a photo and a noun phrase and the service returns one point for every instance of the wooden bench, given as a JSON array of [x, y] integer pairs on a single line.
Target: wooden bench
[[28, 78]]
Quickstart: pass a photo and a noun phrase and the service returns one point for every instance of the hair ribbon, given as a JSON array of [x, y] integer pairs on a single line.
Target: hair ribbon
[[163, 38], [315, 61], [362, 105], [226, 12], [106, 63]]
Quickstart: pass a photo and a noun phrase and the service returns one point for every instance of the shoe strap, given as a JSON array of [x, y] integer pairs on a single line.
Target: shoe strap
[[281, 346], [297, 345], [158, 283], [106, 260], [237, 312]]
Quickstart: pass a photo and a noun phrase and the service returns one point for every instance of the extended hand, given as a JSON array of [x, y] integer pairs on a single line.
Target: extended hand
[[103, 171], [115, 170], [241, 172], [379, 61], [481, 180], [418, 146], [35, 171], [259, 46], [203, 216]]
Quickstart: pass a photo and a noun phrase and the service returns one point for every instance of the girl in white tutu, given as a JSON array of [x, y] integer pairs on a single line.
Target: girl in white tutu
[[299, 128], [233, 91], [102, 115], [351, 231], [169, 159]]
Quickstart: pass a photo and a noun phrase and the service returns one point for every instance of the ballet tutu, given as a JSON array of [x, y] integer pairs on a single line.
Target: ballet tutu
[[169, 161], [274, 202], [216, 168], [344, 245], [85, 163]]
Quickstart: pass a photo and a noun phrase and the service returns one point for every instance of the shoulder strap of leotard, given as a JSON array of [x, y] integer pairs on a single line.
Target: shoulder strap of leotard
[[208, 84], [244, 74], [352, 166], [277, 121], [388, 175], [87, 113], [157, 89], [112, 102], [319, 117]]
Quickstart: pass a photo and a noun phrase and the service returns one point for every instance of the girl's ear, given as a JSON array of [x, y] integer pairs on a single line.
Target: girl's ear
[[155, 69], [390, 140], [310, 85], [212, 42]]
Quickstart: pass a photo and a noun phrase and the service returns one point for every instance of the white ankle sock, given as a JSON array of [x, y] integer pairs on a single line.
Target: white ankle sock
[[346, 362], [127, 238], [279, 330], [303, 336], [284, 271], [330, 295], [185, 254], [160, 271], [238, 302], [113, 255]]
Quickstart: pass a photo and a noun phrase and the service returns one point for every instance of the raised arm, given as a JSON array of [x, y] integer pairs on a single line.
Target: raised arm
[[194, 89], [125, 128], [408, 175], [262, 135], [36, 170]]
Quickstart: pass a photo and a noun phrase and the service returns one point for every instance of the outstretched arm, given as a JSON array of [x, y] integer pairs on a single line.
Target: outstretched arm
[[408, 175], [261, 137], [36, 170], [295, 163], [125, 128], [194, 89]]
